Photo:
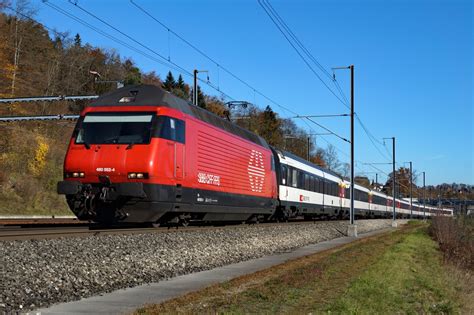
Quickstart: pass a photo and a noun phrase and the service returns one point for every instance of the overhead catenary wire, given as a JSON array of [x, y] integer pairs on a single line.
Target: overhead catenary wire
[[387, 174], [336, 147], [182, 69], [295, 38], [287, 32], [163, 57], [279, 26], [205, 55], [33, 20], [176, 67], [164, 61], [146, 47], [327, 129], [97, 30]]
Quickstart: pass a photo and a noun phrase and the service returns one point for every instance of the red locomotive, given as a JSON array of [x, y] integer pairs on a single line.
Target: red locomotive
[[141, 154]]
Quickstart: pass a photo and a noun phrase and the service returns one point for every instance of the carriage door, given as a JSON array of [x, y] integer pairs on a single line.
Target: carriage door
[[371, 206], [177, 128], [342, 190], [173, 129]]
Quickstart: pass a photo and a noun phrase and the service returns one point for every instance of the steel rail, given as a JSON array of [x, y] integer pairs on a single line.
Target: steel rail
[[15, 233]]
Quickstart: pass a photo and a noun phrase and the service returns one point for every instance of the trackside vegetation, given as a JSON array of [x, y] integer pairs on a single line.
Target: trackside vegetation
[[396, 272]]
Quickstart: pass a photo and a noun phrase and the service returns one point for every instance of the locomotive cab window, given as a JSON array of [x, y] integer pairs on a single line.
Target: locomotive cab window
[[171, 129], [115, 128]]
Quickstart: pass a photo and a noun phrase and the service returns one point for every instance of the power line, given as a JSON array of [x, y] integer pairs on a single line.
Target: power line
[[176, 66], [336, 83], [282, 27], [328, 130], [33, 20], [336, 147], [295, 38], [279, 26], [161, 56], [388, 175], [147, 55], [219, 66], [113, 38], [321, 116], [166, 63], [128, 36]]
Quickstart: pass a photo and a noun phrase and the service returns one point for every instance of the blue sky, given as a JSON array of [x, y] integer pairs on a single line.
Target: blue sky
[[413, 66]]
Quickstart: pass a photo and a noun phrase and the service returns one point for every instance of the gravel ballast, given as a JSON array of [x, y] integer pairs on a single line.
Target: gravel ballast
[[38, 273]]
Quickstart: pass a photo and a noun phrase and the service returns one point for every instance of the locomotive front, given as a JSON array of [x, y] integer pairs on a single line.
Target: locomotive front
[[111, 162], [107, 162]]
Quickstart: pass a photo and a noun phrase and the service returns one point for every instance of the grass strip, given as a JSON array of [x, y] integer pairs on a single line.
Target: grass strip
[[396, 272]]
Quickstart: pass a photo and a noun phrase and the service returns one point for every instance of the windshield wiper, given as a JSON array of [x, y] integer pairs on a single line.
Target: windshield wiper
[[130, 145], [87, 145]]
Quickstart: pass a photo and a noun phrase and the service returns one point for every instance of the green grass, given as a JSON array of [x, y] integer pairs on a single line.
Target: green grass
[[409, 278], [398, 272]]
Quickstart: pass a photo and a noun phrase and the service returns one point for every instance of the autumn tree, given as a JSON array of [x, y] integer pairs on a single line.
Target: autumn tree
[[363, 181], [331, 158], [151, 78], [132, 73], [216, 106], [402, 177], [318, 158]]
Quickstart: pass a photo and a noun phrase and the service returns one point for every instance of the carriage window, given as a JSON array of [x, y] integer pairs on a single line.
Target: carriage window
[[284, 175], [295, 178], [306, 181]]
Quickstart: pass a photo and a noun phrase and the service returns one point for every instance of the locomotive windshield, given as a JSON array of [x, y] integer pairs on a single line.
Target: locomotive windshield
[[115, 128]]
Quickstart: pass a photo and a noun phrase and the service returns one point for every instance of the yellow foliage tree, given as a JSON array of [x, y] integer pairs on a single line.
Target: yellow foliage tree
[[36, 166]]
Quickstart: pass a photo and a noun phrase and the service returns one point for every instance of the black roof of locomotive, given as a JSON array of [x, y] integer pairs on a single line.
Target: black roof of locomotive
[[152, 95]]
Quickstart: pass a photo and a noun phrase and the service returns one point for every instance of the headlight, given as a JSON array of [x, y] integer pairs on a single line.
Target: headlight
[[137, 175], [75, 174]]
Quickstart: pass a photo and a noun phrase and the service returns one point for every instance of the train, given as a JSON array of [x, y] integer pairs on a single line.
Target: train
[[141, 155]]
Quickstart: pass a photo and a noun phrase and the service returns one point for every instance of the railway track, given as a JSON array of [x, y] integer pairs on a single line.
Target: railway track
[[37, 221], [31, 232]]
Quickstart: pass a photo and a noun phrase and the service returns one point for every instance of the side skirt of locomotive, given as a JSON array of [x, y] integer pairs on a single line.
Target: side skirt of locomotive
[[163, 204]]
